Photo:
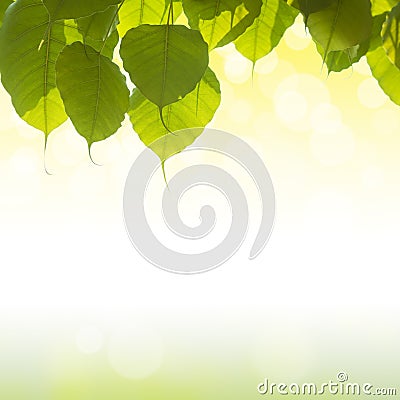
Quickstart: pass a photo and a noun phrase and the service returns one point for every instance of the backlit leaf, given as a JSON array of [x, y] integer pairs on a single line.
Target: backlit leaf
[[98, 26], [391, 36], [154, 12], [267, 30], [72, 35], [337, 61], [221, 21], [344, 24], [196, 110], [29, 47], [165, 62], [94, 91], [384, 70], [382, 6]]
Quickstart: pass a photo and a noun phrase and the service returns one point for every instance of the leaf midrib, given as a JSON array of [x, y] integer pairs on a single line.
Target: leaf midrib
[[339, 4], [96, 110], [166, 49]]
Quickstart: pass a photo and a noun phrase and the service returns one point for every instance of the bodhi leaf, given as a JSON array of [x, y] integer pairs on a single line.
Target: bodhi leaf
[[386, 73], [154, 12], [384, 70], [344, 24], [337, 61], [165, 62], [382, 6], [195, 110], [391, 36], [29, 47], [98, 26], [94, 91], [72, 9], [221, 21], [267, 30]]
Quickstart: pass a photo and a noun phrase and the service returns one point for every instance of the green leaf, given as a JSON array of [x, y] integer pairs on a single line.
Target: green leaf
[[386, 73], [382, 6], [165, 62], [93, 90], [267, 30], [154, 12], [383, 69], [29, 47], [4, 4], [221, 21], [72, 35], [73, 9], [391, 36], [337, 61], [344, 24], [196, 110], [98, 26]]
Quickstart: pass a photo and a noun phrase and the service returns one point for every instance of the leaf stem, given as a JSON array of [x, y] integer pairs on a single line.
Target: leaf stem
[[171, 13], [110, 27]]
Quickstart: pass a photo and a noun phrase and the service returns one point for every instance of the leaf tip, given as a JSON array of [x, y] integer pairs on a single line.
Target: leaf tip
[[91, 156], [46, 137]]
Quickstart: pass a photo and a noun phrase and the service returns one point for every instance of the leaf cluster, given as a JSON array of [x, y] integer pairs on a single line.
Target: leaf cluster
[[59, 58]]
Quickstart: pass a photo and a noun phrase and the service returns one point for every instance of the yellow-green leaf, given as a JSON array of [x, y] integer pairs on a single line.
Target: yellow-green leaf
[[165, 62], [344, 24], [382, 6], [99, 26], [29, 46], [154, 12], [221, 21], [196, 110], [391, 36], [267, 30], [93, 90], [383, 69]]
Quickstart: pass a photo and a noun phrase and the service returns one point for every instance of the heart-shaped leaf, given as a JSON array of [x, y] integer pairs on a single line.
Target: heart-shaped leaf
[[196, 110], [93, 90], [29, 47], [165, 62]]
